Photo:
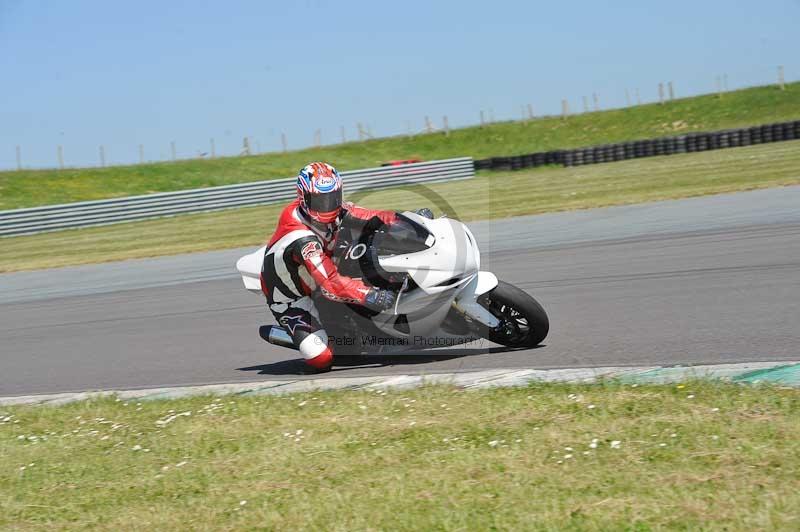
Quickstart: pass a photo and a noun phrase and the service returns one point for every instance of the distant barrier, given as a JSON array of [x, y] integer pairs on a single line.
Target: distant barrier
[[104, 212], [622, 151]]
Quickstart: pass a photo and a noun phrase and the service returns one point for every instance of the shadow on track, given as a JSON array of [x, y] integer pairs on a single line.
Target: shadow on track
[[297, 366]]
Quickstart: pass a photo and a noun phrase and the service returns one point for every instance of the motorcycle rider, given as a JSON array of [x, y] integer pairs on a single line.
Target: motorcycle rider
[[298, 261]]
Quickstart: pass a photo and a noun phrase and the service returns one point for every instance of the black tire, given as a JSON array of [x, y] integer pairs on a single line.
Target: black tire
[[524, 321]]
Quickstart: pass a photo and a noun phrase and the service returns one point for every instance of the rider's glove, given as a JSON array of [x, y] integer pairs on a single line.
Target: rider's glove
[[379, 299], [425, 213]]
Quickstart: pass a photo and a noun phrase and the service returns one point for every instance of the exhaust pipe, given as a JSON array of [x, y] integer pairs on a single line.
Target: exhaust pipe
[[276, 336]]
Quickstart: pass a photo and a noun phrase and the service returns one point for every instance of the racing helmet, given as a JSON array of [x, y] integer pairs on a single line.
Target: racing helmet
[[319, 189]]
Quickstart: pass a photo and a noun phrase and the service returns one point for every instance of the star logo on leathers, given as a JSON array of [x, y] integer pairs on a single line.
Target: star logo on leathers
[[292, 322]]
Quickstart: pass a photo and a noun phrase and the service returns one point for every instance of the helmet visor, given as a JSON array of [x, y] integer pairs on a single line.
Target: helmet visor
[[325, 202]]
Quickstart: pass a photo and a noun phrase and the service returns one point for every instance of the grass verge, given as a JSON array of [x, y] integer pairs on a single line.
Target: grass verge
[[29, 188], [492, 195], [694, 456]]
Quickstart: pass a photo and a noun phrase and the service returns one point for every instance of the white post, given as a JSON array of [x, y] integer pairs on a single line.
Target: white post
[[627, 98], [661, 93], [530, 112], [446, 126], [428, 125], [585, 104], [596, 101], [781, 81], [213, 149], [19, 158], [245, 146], [172, 149], [102, 157], [141, 153], [283, 141], [60, 157], [564, 108], [671, 92]]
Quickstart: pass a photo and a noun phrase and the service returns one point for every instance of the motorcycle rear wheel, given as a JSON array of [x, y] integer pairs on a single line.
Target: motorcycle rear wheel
[[523, 321]]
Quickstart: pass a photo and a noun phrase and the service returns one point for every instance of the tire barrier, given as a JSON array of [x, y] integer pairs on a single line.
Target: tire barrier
[[103, 212], [688, 143]]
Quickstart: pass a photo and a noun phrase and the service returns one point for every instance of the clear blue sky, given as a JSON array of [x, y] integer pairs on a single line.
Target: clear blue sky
[[123, 73]]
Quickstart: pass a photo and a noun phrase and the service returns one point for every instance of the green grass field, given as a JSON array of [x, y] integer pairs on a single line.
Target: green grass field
[[693, 456], [735, 109], [491, 195]]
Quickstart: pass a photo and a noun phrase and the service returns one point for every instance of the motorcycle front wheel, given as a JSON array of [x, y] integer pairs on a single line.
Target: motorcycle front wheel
[[523, 321]]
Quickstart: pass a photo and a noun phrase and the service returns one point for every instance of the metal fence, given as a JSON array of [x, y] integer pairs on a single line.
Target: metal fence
[[104, 212]]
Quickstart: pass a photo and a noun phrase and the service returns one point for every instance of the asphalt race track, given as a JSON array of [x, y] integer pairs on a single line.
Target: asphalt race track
[[705, 280]]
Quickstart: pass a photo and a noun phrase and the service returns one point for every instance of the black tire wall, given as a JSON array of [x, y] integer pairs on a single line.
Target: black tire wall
[[688, 143]]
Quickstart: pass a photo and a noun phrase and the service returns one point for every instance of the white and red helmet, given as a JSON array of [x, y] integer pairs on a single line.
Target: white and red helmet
[[319, 188]]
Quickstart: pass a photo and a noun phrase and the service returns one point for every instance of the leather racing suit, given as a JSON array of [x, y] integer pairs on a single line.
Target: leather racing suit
[[296, 263]]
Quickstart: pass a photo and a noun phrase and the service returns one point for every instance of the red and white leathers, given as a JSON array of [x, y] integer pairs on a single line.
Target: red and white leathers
[[296, 263]]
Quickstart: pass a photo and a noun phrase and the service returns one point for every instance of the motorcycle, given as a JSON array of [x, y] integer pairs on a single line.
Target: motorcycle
[[444, 299]]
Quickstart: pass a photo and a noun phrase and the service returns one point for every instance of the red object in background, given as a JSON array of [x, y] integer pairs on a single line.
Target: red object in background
[[401, 162]]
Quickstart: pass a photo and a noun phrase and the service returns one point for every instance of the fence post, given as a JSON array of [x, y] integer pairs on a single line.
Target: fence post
[[564, 108], [60, 157], [172, 149], [671, 91], [102, 157], [141, 153], [19, 158], [446, 126], [213, 148], [781, 82], [283, 141]]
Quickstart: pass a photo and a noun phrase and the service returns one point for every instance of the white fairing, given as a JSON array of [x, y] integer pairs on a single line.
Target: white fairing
[[249, 267], [454, 254], [447, 274]]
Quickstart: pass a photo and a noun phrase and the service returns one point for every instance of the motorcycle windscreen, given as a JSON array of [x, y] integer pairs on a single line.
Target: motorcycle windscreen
[[402, 236]]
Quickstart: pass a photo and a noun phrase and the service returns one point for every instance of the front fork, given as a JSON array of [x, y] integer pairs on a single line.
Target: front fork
[[466, 302]]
